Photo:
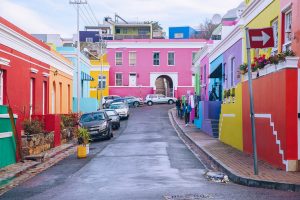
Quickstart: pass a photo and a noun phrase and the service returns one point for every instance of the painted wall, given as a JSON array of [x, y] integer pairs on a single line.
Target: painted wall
[[264, 19], [204, 67], [231, 121], [277, 106], [212, 81], [233, 52], [144, 67], [186, 31]]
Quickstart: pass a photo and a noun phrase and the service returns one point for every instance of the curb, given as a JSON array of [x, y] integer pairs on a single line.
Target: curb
[[239, 179]]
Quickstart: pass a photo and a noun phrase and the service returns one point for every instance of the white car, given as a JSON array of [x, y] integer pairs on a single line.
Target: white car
[[159, 98], [106, 100], [121, 108]]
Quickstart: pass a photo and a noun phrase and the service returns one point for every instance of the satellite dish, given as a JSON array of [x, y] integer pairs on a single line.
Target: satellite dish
[[216, 19]]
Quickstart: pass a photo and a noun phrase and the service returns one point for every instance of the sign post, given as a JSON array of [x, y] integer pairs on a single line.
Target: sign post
[[256, 38]]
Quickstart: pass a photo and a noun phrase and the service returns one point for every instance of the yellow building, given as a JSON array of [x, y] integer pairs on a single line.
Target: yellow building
[[60, 85], [99, 68]]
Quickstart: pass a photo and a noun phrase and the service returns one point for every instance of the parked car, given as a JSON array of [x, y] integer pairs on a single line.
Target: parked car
[[123, 100], [121, 108], [107, 99], [134, 101], [98, 124], [115, 118], [158, 98]]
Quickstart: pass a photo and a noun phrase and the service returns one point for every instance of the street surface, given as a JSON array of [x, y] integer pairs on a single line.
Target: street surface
[[145, 160]]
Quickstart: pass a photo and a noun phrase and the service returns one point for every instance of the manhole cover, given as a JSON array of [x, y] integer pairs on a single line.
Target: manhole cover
[[188, 197]]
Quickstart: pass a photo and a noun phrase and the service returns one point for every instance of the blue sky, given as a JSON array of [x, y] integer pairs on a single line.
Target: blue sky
[[58, 16]]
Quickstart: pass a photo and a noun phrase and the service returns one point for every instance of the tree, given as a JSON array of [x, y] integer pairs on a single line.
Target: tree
[[206, 29]]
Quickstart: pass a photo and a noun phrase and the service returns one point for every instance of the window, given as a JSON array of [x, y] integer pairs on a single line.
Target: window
[[60, 97], [204, 74], [171, 58], [193, 57], [119, 79], [275, 33], [156, 58], [32, 96], [69, 99], [143, 31], [89, 39], [44, 97], [1, 88], [102, 82], [119, 58], [288, 30], [132, 58], [53, 98], [232, 72], [125, 31], [225, 75], [118, 30]]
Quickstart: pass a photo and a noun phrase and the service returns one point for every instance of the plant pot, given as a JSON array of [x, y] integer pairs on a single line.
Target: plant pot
[[81, 151], [270, 68], [291, 61], [262, 72]]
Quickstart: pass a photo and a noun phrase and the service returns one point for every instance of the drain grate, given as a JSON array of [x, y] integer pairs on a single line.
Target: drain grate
[[188, 197]]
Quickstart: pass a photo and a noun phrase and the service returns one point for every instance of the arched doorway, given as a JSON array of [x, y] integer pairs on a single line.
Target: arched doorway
[[164, 85]]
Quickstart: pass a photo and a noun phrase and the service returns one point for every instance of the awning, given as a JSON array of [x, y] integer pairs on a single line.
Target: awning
[[217, 73], [86, 77]]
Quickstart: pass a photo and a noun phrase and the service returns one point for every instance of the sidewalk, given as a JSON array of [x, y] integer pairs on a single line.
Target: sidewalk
[[236, 164], [15, 174]]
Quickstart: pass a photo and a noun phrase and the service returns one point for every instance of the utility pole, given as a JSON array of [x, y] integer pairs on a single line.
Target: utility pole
[[78, 3], [102, 45]]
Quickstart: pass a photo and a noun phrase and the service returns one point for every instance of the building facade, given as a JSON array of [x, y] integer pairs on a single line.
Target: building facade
[[141, 67], [184, 32]]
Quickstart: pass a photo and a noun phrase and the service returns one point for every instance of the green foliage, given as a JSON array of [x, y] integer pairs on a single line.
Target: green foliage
[[232, 92], [83, 136], [33, 126], [68, 121]]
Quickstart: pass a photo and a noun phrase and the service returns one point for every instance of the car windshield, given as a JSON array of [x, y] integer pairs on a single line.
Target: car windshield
[[111, 113], [117, 106], [92, 117]]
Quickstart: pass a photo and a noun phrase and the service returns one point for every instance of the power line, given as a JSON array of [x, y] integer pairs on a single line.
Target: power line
[[90, 14], [86, 17], [93, 13]]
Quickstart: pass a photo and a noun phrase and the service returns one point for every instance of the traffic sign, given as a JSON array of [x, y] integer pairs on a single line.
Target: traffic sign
[[261, 38]]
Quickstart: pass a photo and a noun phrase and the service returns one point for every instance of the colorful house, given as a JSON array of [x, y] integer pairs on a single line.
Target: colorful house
[[141, 67], [87, 104], [100, 73]]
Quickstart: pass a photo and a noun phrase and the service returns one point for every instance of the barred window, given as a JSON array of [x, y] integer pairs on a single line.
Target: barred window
[[119, 79], [119, 58], [156, 58]]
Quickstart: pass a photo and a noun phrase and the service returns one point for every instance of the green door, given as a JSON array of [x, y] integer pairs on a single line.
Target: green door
[[7, 140]]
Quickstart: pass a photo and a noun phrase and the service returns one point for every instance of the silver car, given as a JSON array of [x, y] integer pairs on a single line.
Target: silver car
[[159, 99]]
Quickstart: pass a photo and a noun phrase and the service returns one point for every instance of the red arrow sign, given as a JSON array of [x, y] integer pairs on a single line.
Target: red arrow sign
[[261, 38]]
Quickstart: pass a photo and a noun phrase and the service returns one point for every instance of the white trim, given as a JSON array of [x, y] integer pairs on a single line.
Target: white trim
[[116, 58], [33, 70], [129, 58], [155, 44], [6, 116], [232, 38], [46, 74], [20, 43], [116, 78], [254, 9], [83, 59], [153, 52], [228, 115], [275, 133], [4, 61], [6, 135], [286, 8], [1, 87]]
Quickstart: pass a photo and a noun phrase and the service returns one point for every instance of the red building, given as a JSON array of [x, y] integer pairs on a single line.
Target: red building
[[24, 72]]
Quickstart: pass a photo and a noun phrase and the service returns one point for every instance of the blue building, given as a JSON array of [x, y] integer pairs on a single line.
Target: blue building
[[87, 104], [184, 32]]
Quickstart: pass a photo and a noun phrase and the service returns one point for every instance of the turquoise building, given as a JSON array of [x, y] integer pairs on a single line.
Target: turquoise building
[[87, 104]]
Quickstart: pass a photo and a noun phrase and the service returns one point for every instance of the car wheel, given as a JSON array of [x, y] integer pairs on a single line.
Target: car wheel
[[136, 104], [149, 103], [170, 101]]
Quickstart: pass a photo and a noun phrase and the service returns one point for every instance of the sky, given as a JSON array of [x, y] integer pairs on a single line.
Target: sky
[[59, 17]]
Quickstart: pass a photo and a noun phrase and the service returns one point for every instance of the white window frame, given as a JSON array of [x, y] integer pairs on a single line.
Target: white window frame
[[1, 87], [131, 58], [44, 96], [193, 80], [101, 80], [276, 35], [169, 52], [89, 39], [232, 67], [130, 74], [31, 96], [287, 42], [119, 59], [116, 78], [154, 52]]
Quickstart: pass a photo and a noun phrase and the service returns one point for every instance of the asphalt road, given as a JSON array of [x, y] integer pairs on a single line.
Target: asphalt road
[[145, 160]]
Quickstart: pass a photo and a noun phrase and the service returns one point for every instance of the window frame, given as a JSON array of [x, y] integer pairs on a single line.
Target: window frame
[[171, 52], [232, 67], [193, 57], [116, 80], [102, 78], [1, 87], [287, 43], [130, 59], [118, 59], [276, 36], [153, 59], [89, 40]]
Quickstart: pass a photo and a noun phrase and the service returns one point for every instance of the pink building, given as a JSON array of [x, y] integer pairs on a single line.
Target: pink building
[[141, 67]]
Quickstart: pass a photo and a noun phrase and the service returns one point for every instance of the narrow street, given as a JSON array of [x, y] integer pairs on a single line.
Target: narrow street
[[145, 160]]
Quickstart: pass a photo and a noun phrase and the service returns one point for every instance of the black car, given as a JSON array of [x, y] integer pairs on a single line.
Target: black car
[[114, 116], [98, 124]]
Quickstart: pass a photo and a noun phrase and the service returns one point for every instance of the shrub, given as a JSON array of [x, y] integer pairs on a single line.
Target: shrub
[[33, 126], [68, 120], [83, 136]]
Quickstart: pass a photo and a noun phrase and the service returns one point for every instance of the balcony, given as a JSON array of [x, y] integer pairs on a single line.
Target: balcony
[[122, 36]]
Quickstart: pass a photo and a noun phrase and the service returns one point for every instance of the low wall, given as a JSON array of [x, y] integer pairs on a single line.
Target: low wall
[[37, 143], [131, 91]]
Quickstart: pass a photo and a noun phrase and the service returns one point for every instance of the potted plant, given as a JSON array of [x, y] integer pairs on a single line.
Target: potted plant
[[291, 58], [83, 143], [233, 93], [244, 68]]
